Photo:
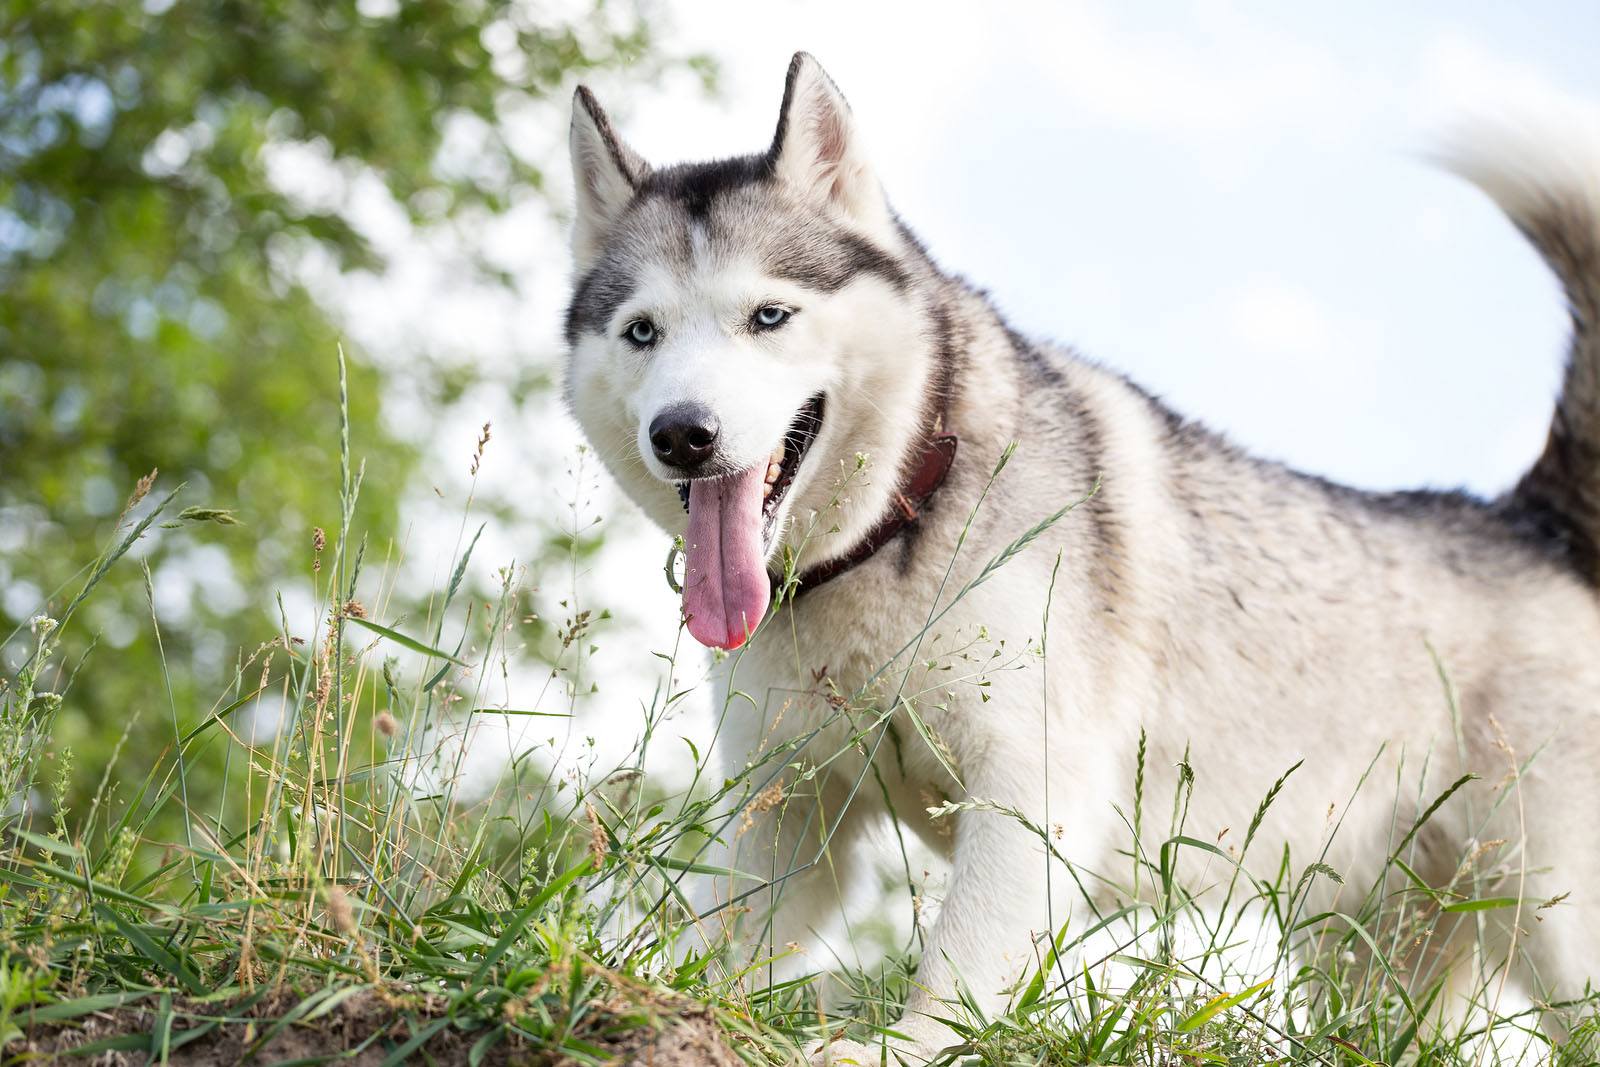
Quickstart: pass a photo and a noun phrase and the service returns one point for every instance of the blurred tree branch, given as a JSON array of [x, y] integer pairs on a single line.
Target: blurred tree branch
[[152, 309]]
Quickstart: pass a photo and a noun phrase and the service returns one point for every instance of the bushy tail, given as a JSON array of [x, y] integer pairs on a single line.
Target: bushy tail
[[1546, 177]]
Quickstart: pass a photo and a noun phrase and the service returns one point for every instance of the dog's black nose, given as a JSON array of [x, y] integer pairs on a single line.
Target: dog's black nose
[[684, 435]]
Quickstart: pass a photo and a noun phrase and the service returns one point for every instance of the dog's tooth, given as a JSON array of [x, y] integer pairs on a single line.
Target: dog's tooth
[[766, 490], [773, 470], [777, 453]]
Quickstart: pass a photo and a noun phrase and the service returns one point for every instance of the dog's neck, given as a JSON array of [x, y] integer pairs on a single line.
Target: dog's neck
[[926, 476]]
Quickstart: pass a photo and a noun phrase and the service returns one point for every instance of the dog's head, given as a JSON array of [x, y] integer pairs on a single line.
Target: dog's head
[[739, 331]]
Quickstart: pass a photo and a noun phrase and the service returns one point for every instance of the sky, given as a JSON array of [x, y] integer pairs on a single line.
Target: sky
[[1230, 203]]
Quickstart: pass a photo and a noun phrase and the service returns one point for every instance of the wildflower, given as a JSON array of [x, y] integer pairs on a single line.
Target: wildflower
[[42, 625]]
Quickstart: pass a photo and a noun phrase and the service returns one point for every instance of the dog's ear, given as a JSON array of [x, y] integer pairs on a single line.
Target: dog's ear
[[606, 171], [817, 151]]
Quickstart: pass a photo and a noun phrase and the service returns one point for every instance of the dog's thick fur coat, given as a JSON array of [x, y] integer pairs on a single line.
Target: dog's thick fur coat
[[1245, 616]]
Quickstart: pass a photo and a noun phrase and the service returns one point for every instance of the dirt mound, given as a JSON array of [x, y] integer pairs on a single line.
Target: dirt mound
[[363, 1030], [693, 1039]]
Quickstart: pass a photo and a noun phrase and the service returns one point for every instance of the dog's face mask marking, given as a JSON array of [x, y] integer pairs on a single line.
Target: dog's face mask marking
[[722, 316]]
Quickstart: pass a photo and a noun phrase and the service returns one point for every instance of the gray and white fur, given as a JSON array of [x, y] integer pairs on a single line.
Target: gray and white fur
[[1230, 607]]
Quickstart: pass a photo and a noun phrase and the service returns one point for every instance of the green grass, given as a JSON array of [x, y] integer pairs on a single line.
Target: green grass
[[546, 920]]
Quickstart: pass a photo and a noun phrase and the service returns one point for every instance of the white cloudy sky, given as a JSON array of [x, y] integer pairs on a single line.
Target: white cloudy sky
[[1227, 201]]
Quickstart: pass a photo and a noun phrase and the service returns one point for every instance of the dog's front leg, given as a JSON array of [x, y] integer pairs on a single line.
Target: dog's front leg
[[996, 908], [785, 853], [997, 904]]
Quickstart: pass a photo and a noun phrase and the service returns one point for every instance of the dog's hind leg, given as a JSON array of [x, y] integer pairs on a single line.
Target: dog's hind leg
[[1542, 943], [1557, 939]]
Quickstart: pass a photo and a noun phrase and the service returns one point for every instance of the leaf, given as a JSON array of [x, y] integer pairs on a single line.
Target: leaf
[[220, 516], [405, 642], [47, 844], [157, 955], [514, 928], [1485, 904], [213, 719], [71, 1009], [935, 743], [137, 1042], [401, 1055], [72, 878], [1350, 1048], [1036, 985], [1169, 847], [480, 1048], [333, 1001], [1218, 1005], [1417, 880]]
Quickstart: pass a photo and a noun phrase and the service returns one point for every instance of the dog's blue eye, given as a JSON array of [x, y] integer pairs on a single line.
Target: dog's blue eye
[[771, 316], [642, 333]]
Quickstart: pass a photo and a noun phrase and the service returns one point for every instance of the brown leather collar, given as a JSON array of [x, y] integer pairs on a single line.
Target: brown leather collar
[[925, 479]]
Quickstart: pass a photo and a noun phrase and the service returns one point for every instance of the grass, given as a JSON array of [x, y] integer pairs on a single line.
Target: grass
[[338, 899]]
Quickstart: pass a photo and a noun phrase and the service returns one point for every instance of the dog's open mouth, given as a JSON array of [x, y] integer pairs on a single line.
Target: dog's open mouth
[[785, 462], [732, 523], [782, 465]]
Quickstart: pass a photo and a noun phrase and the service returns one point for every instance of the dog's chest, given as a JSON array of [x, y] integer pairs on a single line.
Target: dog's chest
[[868, 676]]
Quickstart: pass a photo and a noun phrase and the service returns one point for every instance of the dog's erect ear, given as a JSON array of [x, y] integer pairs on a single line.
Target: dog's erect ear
[[606, 171], [816, 149]]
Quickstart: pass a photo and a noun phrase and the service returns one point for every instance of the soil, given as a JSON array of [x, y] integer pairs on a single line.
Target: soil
[[363, 1031]]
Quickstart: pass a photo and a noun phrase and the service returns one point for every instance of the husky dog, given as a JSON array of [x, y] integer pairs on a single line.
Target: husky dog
[[742, 331]]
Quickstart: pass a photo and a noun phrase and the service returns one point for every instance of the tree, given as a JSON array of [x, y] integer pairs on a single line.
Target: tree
[[151, 313]]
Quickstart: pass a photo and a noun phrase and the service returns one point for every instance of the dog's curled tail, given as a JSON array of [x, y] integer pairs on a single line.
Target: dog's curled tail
[[1545, 175]]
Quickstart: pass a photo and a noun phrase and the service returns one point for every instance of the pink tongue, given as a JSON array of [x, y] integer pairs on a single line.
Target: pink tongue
[[725, 589]]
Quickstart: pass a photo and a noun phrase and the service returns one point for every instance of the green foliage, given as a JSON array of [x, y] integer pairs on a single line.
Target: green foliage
[[20, 988], [154, 309]]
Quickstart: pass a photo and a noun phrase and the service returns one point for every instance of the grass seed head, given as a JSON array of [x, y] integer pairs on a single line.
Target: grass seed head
[[477, 455], [340, 914], [599, 843], [141, 489], [324, 687]]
